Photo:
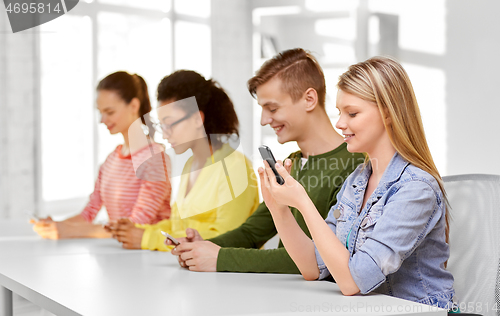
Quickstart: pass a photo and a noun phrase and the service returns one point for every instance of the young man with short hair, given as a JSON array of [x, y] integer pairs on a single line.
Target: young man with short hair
[[291, 90]]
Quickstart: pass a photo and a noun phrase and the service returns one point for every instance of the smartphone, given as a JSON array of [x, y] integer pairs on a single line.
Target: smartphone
[[33, 217], [172, 239], [267, 155]]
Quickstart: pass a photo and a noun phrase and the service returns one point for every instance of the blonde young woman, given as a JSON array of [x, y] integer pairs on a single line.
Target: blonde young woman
[[388, 231]]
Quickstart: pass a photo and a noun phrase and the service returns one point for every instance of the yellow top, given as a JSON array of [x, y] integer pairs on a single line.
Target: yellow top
[[223, 196]]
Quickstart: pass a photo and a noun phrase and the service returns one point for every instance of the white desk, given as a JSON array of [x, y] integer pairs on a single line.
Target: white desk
[[97, 277], [15, 228]]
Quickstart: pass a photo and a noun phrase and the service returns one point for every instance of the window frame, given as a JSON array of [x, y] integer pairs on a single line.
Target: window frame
[[66, 207]]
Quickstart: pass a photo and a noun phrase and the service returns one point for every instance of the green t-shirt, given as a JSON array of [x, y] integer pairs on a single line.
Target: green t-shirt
[[322, 176]]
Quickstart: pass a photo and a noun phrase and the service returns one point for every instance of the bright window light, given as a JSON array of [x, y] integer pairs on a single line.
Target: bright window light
[[193, 47], [331, 5], [331, 79], [137, 45], [273, 11], [199, 8], [414, 35], [336, 53], [162, 5], [343, 28], [66, 108]]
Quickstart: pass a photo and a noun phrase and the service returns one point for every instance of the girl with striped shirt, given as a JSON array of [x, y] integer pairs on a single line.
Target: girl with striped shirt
[[131, 183]]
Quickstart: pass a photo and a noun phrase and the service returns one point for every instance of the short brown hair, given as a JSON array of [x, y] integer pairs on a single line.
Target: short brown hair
[[298, 71]]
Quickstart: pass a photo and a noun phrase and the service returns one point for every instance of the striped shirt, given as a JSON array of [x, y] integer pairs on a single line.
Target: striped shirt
[[134, 186]]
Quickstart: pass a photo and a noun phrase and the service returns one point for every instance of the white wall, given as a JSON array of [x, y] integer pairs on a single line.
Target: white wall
[[232, 59], [472, 70], [18, 107]]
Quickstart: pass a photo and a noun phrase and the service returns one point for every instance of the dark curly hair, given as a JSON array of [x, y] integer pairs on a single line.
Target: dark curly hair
[[212, 100]]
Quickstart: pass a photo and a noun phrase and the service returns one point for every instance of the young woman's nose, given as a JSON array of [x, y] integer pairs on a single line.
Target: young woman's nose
[[340, 124]]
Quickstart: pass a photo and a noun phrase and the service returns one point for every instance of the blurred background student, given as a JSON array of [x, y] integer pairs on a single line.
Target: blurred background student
[[218, 187], [122, 99]]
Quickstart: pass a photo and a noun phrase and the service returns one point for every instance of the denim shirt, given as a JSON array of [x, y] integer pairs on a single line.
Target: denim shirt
[[397, 242]]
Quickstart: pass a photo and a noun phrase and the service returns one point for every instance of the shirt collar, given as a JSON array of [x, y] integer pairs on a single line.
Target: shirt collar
[[392, 173], [220, 154]]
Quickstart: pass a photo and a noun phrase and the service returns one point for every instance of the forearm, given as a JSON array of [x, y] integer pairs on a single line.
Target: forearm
[[255, 260], [233, 238], [85, 230], [333, 253], [298, 245], [76, 219]]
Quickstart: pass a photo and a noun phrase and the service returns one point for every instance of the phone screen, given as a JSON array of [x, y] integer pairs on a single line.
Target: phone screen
[[175, 241]]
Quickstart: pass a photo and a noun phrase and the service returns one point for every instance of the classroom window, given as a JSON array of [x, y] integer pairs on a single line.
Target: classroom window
[[66, 108], [138, 45], [78, 49]]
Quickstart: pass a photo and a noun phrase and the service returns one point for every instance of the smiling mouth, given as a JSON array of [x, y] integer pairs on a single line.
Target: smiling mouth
[[278, 129], [348, 136]]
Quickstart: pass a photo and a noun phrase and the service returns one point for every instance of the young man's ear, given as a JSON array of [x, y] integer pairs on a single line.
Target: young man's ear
[[311, 99]]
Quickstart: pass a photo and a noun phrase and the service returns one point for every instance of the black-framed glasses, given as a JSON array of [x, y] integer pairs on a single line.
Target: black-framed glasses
[[167, 128]]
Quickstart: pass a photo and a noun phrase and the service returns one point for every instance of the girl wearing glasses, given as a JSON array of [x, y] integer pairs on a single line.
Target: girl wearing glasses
[[218, 188], [122, 99]]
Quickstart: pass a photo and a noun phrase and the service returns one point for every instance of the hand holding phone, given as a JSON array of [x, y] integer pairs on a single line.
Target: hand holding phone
[[267, 155], [172, 239], [33, 217]]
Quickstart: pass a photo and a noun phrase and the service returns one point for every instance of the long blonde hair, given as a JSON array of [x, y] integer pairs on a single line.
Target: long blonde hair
[[383, 81]]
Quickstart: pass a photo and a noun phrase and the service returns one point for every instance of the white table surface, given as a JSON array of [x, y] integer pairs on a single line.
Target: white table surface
[[15, 228], [97, 277]]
